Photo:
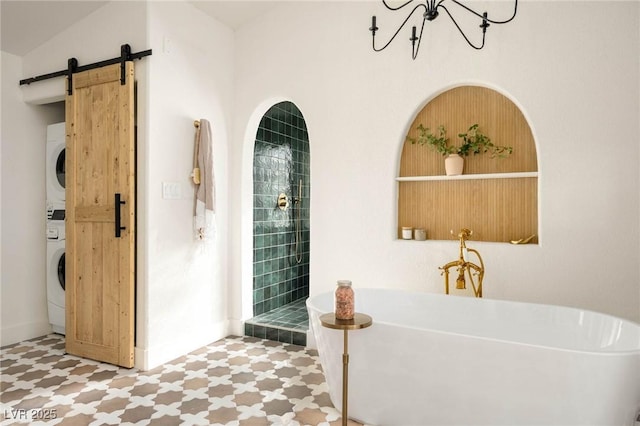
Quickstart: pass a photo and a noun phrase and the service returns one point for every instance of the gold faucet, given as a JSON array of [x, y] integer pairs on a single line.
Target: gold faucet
[[463, 265]]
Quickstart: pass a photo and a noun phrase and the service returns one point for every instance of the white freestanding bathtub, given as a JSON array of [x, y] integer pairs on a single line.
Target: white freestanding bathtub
[[431, 359]]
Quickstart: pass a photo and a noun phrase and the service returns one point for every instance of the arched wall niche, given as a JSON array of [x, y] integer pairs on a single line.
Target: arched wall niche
[[496, 198]]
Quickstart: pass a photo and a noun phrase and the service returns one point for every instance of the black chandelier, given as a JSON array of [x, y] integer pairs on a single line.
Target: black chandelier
[[430, 13]]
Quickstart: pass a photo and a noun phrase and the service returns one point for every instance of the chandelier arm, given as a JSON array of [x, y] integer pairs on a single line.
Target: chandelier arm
[[373, 42], [415, 54], [462, 32], [515, 10], [395, 8]]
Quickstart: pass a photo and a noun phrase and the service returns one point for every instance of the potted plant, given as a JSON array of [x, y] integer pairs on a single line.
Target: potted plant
[[474, 142]]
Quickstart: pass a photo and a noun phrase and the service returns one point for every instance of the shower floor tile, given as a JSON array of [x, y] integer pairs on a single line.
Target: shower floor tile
[[292, 316], [287, 324]]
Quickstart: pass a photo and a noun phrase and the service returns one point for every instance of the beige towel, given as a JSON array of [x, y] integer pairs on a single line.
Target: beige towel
[[204, 221]]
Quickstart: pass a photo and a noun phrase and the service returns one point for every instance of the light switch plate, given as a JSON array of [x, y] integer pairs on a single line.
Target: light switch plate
[[171, 190]]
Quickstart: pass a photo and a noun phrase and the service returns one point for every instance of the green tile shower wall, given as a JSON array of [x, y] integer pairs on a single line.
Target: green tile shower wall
[[281, 159]]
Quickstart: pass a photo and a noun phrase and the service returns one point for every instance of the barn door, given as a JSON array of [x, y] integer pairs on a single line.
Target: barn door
[[100, 222]]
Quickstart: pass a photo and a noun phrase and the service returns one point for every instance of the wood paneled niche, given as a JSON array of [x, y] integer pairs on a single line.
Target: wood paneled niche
[[497, 198]]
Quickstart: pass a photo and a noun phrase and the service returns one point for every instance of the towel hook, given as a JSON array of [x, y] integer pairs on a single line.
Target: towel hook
[[195, 174]]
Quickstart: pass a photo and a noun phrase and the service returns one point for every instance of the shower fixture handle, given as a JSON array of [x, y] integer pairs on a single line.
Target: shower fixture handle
[[283, 201]]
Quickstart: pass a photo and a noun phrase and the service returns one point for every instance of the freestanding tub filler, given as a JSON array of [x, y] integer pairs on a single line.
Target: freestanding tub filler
[[431, 359]]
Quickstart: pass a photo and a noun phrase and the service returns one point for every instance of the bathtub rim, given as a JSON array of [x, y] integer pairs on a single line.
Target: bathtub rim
[[621, 352]]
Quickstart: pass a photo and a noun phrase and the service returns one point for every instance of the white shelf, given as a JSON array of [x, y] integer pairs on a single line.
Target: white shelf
[[468, 177]]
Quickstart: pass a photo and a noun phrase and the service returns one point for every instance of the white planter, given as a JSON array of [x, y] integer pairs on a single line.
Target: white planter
[[453, 165]]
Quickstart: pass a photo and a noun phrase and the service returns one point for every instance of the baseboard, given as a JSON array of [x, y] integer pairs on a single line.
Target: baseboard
[[147, 359], [21, 332]]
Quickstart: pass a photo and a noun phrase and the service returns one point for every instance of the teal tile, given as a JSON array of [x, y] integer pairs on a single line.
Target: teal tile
[[272, 334], [299, 338], [259, 332], [284, 336]]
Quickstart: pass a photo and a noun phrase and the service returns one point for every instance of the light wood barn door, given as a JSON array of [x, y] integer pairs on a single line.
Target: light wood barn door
[[100, 258]]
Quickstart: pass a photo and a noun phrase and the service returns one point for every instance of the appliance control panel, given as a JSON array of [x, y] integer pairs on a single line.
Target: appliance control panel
[[53, 233], [55, 214]]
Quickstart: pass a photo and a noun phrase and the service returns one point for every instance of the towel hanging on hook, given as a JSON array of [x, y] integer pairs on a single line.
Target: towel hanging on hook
[[203, 177]]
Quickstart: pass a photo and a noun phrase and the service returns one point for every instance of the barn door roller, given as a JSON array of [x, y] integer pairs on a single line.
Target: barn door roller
[[72, 67]]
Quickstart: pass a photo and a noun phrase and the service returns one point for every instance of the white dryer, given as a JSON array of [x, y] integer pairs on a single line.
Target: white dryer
[[56, 267], [55, 165]]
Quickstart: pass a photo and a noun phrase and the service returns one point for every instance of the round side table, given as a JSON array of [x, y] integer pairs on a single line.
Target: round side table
[[359, 321]]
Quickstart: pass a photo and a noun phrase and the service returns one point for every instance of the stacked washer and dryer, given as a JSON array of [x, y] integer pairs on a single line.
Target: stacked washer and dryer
[[55, 174]]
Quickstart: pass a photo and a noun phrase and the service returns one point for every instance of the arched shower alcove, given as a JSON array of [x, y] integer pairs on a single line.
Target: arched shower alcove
[[281, 188]]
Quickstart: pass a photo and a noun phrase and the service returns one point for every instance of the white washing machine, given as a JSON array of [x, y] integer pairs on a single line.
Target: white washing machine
[[55, 166], [56, 266]]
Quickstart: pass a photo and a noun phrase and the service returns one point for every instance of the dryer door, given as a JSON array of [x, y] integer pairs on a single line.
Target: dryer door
[[60, 172], [55, 166]]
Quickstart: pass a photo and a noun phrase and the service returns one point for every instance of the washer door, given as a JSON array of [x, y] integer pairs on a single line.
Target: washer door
[[56, 273], [61, 271]]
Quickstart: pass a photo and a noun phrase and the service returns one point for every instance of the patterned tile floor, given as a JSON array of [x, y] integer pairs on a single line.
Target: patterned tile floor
[[234, 381]]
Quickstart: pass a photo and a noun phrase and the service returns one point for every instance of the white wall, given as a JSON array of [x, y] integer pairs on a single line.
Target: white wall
[[190, 77], [574, 72], [24, 302]]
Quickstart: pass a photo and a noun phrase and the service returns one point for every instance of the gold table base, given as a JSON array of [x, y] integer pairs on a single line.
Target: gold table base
[[359, 321]]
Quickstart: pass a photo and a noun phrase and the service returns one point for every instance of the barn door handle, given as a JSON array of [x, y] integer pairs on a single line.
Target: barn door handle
[[118, 203]]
